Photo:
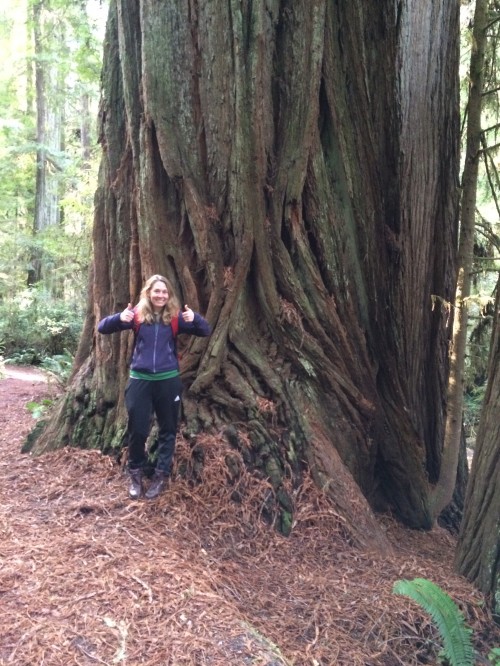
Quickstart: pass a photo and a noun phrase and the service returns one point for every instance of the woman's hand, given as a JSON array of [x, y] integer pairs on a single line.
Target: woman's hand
[[128, 314], [188, 314]]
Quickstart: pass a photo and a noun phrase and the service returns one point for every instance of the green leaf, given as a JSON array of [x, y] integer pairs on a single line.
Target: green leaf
[[446, 616]]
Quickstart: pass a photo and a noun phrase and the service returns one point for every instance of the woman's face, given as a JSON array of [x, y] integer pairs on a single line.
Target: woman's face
[[158, 295]]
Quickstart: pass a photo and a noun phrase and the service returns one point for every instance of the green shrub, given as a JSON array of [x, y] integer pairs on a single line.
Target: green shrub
[[473, 403], [494, 656], [35, 326], [59, 365], [38, 409]]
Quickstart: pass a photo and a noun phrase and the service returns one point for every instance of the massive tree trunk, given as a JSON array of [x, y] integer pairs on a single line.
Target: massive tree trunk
[[292, 167], [478, 553]]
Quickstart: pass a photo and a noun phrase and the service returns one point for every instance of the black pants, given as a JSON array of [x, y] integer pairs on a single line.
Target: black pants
[[142, 398]]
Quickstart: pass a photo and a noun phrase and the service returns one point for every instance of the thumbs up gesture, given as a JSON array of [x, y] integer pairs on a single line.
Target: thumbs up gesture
[[128, 314], [188, 314]]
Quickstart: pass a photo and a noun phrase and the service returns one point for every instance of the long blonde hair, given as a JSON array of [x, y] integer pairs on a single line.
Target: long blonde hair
[[145, 310]]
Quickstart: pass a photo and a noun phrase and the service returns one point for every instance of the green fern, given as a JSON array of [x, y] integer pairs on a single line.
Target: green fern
[[446, 615]]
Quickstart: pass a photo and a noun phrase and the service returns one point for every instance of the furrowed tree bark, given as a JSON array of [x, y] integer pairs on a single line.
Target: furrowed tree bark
[[478, 552], [292, 167]]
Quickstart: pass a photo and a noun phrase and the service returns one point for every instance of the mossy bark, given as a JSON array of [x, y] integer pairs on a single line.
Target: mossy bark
[[292, 167]]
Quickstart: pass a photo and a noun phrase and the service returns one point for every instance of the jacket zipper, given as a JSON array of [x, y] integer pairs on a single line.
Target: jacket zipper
[[154, 347]]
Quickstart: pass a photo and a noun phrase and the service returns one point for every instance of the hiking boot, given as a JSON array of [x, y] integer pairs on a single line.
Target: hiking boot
[[158, 484], [135, 488]]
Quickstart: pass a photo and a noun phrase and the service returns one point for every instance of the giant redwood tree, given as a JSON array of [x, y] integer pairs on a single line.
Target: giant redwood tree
[[292, 167]]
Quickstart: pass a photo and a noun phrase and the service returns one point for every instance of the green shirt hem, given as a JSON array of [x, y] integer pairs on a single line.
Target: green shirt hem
[[154, 377]]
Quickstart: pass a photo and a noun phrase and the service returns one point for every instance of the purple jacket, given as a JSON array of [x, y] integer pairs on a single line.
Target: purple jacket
[[154, 347]]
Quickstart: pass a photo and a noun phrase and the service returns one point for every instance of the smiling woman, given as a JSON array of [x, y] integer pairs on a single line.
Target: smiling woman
[[159, 296], [154, 384]]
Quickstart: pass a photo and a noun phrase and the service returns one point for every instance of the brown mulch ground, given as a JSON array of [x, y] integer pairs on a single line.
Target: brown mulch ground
[[88, 577]]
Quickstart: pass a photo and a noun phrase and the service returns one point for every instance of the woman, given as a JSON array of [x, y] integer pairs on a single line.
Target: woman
[[154, 383]]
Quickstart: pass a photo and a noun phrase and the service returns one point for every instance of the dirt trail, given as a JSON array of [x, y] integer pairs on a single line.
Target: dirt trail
[[88, 577]]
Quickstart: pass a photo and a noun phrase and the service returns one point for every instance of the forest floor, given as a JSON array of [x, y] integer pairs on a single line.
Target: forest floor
[[195, 578]]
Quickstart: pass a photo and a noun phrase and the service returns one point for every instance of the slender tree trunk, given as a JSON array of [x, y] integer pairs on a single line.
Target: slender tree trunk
[[35, 269], [48, 139], [444, 490], [85, 131], [30, 36], [292, 167]]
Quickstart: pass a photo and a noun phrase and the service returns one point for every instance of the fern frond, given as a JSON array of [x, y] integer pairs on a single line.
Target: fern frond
[[446, 615]]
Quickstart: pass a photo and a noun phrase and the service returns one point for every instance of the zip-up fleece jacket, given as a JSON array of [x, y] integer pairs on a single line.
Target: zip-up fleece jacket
[[154, 348]]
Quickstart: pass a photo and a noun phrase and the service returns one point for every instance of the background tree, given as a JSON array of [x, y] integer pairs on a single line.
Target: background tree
[[478, 552], [292, 167], [17, 169], [58, 30], [48, 175], [49, 119], [456, 384], [481, 45], [46, 235]]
